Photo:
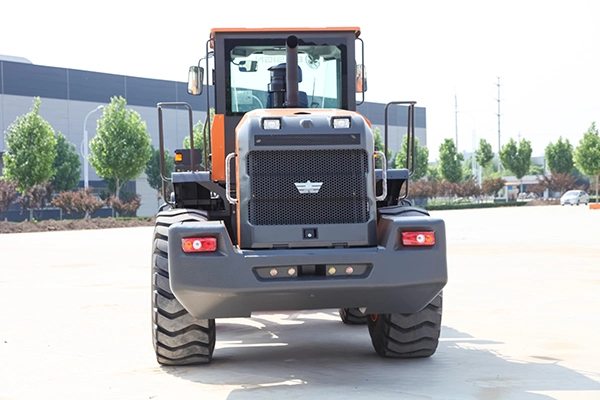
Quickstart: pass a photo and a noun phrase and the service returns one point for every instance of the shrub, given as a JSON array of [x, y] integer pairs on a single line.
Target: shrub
[[469, 189], [492, 186], [8, 194], [64, 201], [474, 205], [82, 201], [125, 208], [558, 182], [448, 189], [422, 189], [37, 197]]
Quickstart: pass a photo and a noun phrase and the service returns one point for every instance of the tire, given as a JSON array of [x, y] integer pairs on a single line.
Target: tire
[[407, 335], [352, 316], [179, 338]]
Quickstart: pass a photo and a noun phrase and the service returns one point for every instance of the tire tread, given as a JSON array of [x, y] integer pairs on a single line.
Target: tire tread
[[179, 338], [408, 335]]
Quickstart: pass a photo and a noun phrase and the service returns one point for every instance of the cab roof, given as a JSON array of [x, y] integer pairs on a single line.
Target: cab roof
[[355, 30]]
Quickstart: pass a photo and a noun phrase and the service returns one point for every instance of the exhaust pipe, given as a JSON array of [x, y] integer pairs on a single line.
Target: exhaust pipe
[[291, 75]]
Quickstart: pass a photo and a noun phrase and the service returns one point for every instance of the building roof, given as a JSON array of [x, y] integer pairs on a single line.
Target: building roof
[[527, 180], [14, 59]]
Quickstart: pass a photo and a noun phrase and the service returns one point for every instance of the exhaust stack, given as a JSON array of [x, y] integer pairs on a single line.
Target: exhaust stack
[[291, 76]]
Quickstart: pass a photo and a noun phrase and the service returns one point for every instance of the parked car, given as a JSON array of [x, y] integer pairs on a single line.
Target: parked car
[[575, 197]]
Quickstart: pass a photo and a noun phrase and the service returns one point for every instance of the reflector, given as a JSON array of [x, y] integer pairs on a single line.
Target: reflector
[[199, 245], [418, 238]]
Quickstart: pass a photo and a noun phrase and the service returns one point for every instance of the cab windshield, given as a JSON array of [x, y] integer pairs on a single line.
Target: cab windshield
[[257, 77]]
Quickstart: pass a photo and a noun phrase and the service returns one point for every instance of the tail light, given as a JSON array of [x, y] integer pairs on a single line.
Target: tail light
[[199, 245], [420, 238]]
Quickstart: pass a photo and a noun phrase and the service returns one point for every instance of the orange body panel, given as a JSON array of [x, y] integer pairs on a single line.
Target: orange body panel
[[218, 148], [298, 112], [213, 31]]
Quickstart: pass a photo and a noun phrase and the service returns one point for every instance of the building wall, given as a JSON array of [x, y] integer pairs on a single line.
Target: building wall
[[68, 95]]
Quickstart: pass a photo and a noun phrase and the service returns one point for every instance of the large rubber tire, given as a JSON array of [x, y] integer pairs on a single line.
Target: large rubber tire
[[179, 338], [407, 335], [352, 316]]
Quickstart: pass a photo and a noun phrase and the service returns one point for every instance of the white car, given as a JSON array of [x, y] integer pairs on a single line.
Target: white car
[[575, 197]]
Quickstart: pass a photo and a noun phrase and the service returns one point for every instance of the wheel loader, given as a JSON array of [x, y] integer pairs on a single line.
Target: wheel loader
[[289, 205]]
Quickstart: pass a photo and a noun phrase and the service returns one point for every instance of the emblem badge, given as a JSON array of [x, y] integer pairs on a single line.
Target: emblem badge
[[308, 187]]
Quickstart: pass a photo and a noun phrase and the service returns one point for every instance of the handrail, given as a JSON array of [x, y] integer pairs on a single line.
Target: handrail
[[383, 195], [161, 142], [410, 137], [231, 200]]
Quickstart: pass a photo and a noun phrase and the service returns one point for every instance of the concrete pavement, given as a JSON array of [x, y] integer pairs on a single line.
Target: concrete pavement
[[520, 322]]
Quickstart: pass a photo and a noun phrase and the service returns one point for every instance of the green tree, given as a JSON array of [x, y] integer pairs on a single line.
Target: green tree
[[467, 169], [484, 154], [517, 159], [199, 133], [535, 170], [66, 166], [379, 145], [421, 159], [31, 149], [433, 173], [450, 162], [587, 154], [153, 169], [121, 148], [559, 156]]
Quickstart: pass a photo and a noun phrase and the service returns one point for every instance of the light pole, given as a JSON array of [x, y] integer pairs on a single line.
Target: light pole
[[473, 145], [85, 148]]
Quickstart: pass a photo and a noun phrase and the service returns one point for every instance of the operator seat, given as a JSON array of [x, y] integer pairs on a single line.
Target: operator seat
[[277, 87]]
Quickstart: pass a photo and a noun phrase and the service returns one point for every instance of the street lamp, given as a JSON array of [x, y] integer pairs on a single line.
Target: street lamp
[[85, 148], [473, 145]]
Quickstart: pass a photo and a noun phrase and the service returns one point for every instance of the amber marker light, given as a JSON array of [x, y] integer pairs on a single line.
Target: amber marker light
[[418, 238], [178, 157], [199, 245]]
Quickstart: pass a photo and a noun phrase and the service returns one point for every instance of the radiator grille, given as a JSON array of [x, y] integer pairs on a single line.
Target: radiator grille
[[275, 199]]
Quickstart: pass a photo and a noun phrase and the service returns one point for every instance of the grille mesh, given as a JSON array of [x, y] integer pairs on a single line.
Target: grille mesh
[[275, 199]]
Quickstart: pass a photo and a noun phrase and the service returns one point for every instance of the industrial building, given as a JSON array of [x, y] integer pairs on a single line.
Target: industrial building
[[70, 99]]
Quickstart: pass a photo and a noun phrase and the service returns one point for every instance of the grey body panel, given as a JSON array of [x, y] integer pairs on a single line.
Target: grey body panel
[[225, 283], [300, 133]]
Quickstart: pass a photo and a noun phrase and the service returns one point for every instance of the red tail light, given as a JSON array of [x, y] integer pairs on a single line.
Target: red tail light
[[418, 238], [199, 245]]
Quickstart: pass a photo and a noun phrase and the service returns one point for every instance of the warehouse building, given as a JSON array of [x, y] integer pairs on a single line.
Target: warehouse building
[[70, 101]]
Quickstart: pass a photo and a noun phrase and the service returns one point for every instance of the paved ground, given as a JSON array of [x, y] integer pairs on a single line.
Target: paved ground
[[520, 322]]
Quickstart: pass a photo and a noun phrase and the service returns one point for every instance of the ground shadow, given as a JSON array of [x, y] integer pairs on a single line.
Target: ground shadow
[[314, 355]]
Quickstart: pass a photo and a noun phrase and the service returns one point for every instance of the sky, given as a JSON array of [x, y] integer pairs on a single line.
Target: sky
[[544, 54]]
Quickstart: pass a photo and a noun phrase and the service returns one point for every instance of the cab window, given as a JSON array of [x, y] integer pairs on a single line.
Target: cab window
[[257, 76]]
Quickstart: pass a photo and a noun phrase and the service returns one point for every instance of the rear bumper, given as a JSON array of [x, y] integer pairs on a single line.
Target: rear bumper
[[230, 282]]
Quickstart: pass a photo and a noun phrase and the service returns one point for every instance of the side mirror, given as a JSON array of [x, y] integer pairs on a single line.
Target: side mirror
[[248, 66], [195, 80], [361, 79]]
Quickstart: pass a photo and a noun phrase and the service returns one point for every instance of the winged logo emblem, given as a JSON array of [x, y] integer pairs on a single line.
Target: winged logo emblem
[[308, 187]]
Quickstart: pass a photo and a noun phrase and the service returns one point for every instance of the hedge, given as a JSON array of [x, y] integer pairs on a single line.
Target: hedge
[[474, 205]]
